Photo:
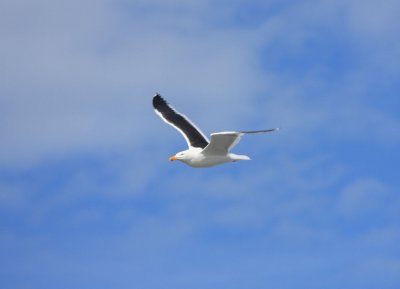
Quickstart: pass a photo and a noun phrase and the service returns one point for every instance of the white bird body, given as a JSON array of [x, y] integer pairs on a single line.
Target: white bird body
[[201, 153], [197, 158]]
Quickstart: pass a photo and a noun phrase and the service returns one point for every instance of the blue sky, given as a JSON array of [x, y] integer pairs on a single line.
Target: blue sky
[[89, 200]]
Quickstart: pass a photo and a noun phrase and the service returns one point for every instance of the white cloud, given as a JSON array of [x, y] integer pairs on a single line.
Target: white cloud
[[81, 79]]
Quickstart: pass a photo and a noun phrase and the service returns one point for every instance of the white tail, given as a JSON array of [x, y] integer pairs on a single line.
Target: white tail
[[235, 157]]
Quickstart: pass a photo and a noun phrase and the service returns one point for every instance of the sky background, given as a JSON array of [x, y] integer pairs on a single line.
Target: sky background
[[88, 198]]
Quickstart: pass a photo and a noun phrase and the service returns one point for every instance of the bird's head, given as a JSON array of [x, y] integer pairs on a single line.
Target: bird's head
[[179, 156]]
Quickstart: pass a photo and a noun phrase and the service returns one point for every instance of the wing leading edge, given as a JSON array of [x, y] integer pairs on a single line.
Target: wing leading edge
[[193, 135], [222, 142]]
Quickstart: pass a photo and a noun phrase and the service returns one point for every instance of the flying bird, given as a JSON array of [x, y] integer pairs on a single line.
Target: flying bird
[[201, 153]]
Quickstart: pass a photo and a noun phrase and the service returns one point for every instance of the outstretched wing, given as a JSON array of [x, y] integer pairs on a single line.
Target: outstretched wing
[[222, 142], [194, 137]]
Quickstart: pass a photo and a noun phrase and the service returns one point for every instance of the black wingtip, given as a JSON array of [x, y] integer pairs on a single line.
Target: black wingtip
[[259, 131], [158, 100], [157, 95]]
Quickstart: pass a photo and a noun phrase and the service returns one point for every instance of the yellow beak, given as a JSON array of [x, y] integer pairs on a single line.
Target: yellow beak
[[173, 158]]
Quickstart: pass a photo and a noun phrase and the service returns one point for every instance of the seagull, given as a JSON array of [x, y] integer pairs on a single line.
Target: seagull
[[201, 153]]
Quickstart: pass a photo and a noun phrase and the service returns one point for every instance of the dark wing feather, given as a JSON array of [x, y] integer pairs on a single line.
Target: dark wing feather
[[191, 133]]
